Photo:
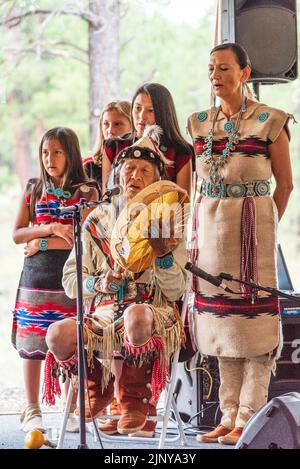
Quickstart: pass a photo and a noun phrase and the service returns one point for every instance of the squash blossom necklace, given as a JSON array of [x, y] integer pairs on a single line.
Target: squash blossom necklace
[[216, 162]]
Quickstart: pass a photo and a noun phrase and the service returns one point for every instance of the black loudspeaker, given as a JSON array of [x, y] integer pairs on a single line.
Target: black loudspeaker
[[287, 377], [267, 29], [275, 426], [196, 391]]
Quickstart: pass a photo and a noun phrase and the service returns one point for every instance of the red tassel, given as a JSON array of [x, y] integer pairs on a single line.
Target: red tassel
[[137, 350], [193, 252], [160, 370], [248, 247], [51, 383]]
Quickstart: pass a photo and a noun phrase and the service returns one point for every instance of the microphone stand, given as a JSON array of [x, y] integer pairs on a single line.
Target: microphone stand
[[76, 210], [79, 324], [256, 286]]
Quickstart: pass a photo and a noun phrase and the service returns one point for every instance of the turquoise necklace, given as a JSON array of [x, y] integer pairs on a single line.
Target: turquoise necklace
[[57, 191], [216, 162]]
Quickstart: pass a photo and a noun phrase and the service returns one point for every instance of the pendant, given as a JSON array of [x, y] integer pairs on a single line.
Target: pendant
[[228, 126], [217, 162], [57, 191]]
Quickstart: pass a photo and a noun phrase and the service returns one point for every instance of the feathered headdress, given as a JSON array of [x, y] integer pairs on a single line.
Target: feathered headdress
[[147, 148]]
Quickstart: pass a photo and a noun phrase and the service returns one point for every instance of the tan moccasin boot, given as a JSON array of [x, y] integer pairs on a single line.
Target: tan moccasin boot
[[135, 393], [231, 438], [110, 426], [212, 437], [148, 429], [95, 399]]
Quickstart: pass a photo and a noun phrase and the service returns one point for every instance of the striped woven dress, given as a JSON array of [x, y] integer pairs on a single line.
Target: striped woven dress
[[41, 299], [236, 233]]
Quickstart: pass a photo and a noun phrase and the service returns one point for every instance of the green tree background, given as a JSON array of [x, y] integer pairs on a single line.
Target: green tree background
[[46, 91]]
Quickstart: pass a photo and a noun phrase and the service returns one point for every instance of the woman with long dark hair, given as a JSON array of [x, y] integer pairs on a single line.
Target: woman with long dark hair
[[115, 121], [151, 104], [239, 146]]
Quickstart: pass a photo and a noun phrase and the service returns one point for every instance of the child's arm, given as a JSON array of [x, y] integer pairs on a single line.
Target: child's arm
[[61, 235], [23, 233], [33, 246]]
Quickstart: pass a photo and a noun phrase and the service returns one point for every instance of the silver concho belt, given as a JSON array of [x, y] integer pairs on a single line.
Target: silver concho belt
[[236, 189]]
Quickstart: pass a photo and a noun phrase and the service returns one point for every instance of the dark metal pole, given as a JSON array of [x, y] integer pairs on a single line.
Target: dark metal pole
[[76, 210], [256, 286], [79, 322]]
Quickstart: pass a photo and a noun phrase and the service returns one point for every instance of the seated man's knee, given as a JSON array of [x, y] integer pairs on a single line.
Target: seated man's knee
[[138, 315], [138, 320], [59, 334]]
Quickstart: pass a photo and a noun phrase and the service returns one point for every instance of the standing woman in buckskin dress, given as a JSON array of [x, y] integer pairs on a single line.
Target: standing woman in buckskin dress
[[48, 239], [239, 146]]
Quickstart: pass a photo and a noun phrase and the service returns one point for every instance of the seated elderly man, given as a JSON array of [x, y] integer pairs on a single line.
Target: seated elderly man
[[127, 315]]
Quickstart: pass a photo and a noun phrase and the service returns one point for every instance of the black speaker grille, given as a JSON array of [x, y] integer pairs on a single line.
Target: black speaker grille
[[240, 4], [268, 34]]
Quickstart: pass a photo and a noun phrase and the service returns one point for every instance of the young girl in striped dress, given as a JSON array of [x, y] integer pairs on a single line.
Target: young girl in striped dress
[[48, 239]]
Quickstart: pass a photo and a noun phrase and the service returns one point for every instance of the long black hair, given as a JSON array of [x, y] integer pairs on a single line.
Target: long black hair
[[165, 115], [74, 173]]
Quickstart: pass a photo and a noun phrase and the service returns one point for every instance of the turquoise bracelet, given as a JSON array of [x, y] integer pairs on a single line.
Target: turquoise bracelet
[[43, 244], [165, 262], [90, 284]]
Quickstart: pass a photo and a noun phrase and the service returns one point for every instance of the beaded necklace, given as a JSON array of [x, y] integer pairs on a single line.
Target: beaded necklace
[[216, 162], [57, 191]]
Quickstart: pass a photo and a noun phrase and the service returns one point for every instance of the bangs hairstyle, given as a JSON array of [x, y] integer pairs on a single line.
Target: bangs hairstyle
[[165, 115], [124, 109], [74, 173]]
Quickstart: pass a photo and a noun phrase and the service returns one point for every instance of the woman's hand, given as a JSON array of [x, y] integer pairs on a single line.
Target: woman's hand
[[63, 231], [32, 247], [110, 283]]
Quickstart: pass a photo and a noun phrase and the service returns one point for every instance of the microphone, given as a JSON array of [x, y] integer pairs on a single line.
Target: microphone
[[216, 281], [115, 190]]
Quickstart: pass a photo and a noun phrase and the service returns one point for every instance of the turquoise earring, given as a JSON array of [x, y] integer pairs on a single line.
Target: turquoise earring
[[212, 98], [243, 97]]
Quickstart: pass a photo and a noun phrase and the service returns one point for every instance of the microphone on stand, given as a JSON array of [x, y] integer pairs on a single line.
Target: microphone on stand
[[216, 281], [115, 190]]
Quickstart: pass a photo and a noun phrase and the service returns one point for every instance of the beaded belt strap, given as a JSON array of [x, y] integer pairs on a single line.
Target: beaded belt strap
[[235, 189]]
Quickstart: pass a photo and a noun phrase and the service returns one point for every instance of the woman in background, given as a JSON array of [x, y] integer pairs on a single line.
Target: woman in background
[[151, 104], [115, 121]]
